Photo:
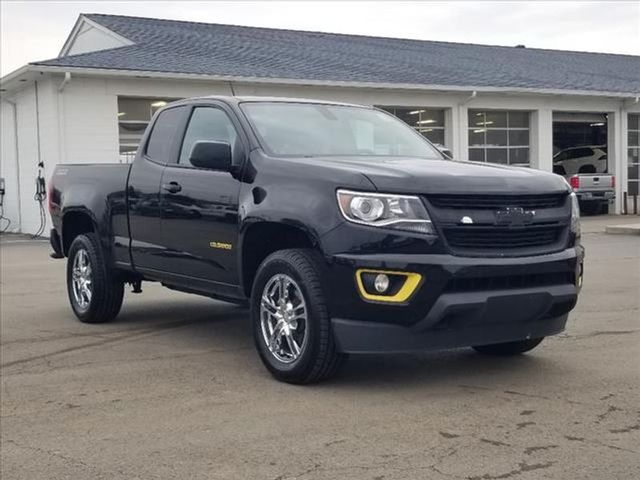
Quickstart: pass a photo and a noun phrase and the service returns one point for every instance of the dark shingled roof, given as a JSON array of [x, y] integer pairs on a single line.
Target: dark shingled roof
[[235, 51]]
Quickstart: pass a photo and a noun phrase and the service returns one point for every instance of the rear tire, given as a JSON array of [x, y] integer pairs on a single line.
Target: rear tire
[[509, 348], [590, 208], [292, 330], [95, 291]]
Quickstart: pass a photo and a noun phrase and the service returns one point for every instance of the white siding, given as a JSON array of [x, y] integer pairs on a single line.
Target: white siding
[[9, 168]]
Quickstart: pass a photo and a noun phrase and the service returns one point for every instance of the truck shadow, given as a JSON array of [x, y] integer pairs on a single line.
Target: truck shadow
[[224, 327]]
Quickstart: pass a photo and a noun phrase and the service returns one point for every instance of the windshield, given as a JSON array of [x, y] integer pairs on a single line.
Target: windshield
[[307, 129]]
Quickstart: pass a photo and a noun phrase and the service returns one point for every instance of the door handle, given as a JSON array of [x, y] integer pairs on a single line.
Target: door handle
[[172, 187]]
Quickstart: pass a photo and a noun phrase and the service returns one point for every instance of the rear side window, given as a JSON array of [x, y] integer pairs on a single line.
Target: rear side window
[[162, 138], [208, 124]]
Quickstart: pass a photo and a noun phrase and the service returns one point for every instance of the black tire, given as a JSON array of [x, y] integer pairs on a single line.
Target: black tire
[[590, 208], [318, 358], [107, 290], [510, 348]]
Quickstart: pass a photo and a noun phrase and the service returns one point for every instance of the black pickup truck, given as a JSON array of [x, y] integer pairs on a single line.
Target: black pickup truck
[[343, 229]]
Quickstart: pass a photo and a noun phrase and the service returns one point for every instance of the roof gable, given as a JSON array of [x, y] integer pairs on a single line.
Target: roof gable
[[90, 36]]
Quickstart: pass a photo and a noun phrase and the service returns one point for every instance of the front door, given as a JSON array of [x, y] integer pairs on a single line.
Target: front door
[[200, 206]]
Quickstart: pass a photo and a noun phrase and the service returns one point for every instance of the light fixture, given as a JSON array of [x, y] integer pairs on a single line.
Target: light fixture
[[428, 120], [484, 123], [416, 112], [598, 124], [158, 104], [482, 130], [121, 114]]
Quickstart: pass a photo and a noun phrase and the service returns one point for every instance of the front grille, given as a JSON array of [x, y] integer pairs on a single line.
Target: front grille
[[501, 238], [496, 202], [507, 282]]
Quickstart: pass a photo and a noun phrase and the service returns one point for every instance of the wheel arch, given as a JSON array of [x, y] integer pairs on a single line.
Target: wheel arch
[[76, 222], [261, 239]]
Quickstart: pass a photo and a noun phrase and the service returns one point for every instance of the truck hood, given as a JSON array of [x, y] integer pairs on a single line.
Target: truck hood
[[422, 176]]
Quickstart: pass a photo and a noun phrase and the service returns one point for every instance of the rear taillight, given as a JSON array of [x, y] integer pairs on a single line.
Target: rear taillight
[[613, 181], [574, 182]]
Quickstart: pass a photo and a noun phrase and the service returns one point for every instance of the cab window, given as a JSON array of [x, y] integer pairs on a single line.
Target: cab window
[[208, 124], [160, 146]]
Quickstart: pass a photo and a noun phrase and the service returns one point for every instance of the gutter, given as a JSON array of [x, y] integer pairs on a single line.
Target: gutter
[[34, 67]]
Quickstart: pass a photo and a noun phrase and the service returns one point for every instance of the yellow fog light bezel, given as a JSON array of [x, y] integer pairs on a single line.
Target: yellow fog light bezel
[[411, 283]]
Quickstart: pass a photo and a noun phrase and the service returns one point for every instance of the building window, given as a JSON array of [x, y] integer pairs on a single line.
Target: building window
[[428, 121], [499, 137], [634, 154], [134, 115]]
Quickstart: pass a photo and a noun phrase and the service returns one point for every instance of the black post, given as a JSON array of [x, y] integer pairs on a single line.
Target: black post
[[624, 203]]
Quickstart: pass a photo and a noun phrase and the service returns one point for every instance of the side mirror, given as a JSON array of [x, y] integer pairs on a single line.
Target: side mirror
[[211, 155]]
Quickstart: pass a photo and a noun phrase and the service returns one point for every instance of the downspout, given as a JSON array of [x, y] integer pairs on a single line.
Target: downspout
[[61, 124], [67, 79], [17, 156], [473, 95]]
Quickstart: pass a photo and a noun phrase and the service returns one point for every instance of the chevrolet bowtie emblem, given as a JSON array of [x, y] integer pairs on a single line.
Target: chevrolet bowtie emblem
[[514, 216]]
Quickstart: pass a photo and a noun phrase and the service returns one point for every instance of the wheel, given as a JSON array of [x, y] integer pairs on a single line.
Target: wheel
[[510, 348], [95, 292], [590, 208], [291, 324]]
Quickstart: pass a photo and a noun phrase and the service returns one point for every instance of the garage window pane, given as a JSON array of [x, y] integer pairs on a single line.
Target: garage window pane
[[500, 128], [518, 138], [495, 119], [476, 154], [518, 155], [497, 137], [434, 135], [497, 155], [428, 121], [476, 137], [518, 119], [633, 153]]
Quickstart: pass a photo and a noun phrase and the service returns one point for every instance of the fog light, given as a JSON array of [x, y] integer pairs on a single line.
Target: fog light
[[381, 283]]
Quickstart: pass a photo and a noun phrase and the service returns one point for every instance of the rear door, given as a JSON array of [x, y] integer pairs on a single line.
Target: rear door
[[158, 148], [200, 206]]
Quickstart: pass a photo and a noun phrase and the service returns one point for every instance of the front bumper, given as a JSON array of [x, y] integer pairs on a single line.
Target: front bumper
[[462, 301]]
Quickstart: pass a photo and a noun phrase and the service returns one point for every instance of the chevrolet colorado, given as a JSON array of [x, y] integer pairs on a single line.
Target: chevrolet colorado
[[343, 229]]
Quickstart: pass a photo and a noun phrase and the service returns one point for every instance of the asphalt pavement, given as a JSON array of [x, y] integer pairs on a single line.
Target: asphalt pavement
[[173, 389]]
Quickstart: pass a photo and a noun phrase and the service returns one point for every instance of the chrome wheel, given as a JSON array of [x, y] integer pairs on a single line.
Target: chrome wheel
[[283, 318], [81, 280]]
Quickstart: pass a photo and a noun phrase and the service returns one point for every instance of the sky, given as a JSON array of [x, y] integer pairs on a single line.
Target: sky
[[36, 30]]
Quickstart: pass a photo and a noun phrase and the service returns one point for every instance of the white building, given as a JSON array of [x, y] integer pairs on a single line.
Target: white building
[[499, 104]]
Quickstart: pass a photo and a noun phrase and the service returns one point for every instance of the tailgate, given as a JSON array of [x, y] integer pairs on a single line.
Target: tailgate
[[594, 182]]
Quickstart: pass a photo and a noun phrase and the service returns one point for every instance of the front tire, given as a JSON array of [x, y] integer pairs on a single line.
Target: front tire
[[509, 348], [291, 323], [95, 291]]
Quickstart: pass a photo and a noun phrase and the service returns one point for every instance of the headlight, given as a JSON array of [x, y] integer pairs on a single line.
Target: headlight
[[575, 214], [398, 212]]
